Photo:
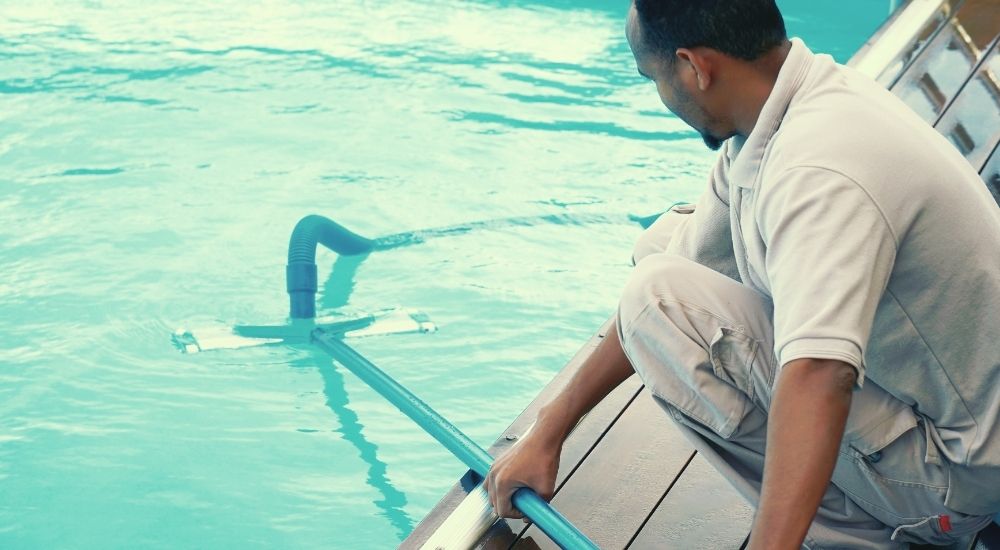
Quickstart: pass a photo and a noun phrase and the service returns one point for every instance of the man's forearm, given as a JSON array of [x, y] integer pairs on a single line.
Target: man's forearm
[[805, 427], [603, 371]]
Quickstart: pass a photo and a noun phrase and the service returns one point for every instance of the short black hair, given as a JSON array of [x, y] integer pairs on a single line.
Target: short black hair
[[744, 29]]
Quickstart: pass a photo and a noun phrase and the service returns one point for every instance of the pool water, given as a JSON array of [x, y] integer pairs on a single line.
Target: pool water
[[153, 160]]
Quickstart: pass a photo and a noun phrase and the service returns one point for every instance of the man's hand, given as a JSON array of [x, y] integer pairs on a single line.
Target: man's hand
[[532, 462], [804, 430]]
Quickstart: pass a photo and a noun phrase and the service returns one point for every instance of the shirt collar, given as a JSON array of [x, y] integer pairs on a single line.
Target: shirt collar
[[746, 154]]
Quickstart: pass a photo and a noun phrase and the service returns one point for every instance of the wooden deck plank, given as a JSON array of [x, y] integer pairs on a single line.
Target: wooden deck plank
[[622, 479], [983, 25], [583, 438], [460, 490], [580, 443], [989, 538], [702, 510]]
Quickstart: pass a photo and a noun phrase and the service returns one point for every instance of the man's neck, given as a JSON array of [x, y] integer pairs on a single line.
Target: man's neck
[[757, 81]]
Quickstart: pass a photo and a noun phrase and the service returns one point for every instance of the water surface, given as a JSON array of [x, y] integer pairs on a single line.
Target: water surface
[[153, 160]]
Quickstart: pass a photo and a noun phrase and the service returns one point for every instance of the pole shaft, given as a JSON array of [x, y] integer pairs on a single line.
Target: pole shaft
[[551, 522]]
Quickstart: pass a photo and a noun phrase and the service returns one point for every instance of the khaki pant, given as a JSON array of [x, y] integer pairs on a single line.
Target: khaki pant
[[703, 345]]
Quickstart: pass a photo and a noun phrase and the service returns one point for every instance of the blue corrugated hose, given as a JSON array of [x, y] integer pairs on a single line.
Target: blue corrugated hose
[[300, 273], [551, 522]]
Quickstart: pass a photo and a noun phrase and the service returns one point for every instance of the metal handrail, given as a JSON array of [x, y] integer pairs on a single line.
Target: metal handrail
[[984, 58], [951, 12]]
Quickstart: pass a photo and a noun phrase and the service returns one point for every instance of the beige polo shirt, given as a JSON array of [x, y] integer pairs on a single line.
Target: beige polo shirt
[[878, 245]]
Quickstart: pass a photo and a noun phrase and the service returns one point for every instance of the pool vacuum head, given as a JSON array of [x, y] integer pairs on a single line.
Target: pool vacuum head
[[220, 336]]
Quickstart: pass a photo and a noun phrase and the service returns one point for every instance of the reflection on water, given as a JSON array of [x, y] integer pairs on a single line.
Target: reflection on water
[[392, 504]]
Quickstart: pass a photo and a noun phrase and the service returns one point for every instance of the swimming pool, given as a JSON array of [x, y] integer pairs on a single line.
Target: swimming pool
[[154, 160]]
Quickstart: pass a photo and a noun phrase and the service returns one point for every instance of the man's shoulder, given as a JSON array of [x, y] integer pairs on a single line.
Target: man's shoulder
[[844, 122]]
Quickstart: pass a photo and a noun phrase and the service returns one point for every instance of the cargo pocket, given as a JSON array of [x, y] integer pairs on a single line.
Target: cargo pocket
[[705, 389], [900, 461], [882, 465], [913, 489], [740, 361], [702, 378]]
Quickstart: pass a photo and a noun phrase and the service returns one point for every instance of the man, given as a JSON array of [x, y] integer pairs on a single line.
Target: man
[[835, 297]]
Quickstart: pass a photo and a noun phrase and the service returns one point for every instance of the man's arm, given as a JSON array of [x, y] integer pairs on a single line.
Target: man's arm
[[805, 426], [830, 252], [534, 460]]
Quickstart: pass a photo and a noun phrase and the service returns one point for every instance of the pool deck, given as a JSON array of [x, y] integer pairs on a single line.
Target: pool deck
[[627, 477]]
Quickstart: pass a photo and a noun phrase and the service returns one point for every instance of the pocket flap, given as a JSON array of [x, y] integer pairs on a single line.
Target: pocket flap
[[880, 435], [876, 419], [732, 354]]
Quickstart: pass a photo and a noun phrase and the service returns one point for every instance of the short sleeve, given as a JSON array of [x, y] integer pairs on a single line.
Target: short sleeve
[[830, 253]]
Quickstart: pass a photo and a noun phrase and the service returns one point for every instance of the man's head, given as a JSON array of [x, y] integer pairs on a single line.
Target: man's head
[[696, 50]]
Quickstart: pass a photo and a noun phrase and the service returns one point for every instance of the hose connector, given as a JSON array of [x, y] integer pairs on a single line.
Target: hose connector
[[300, 273]]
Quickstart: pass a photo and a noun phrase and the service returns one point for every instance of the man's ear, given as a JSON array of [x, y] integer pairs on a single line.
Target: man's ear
[[699, 64]]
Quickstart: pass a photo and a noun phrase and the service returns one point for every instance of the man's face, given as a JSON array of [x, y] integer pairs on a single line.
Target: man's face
[[669, 85]]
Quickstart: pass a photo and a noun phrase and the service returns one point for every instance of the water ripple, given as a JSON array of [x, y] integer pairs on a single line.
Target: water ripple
[[587, 127], [155, 157], [92, 171]]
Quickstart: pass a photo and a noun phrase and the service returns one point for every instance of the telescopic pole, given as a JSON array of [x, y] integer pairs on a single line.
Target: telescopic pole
[[551, 522]]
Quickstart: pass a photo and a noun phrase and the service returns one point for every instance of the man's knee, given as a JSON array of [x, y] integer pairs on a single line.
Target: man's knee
[[655, 278], [658, 235], [688, 332]]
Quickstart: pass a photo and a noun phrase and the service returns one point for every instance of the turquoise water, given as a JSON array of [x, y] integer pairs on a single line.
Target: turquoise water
[[153, 160]]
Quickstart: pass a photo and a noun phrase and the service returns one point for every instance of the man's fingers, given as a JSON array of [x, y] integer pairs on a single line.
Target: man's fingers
[[512, 512], [500, 491], [505, 493], [490, 490], [503, 504]]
